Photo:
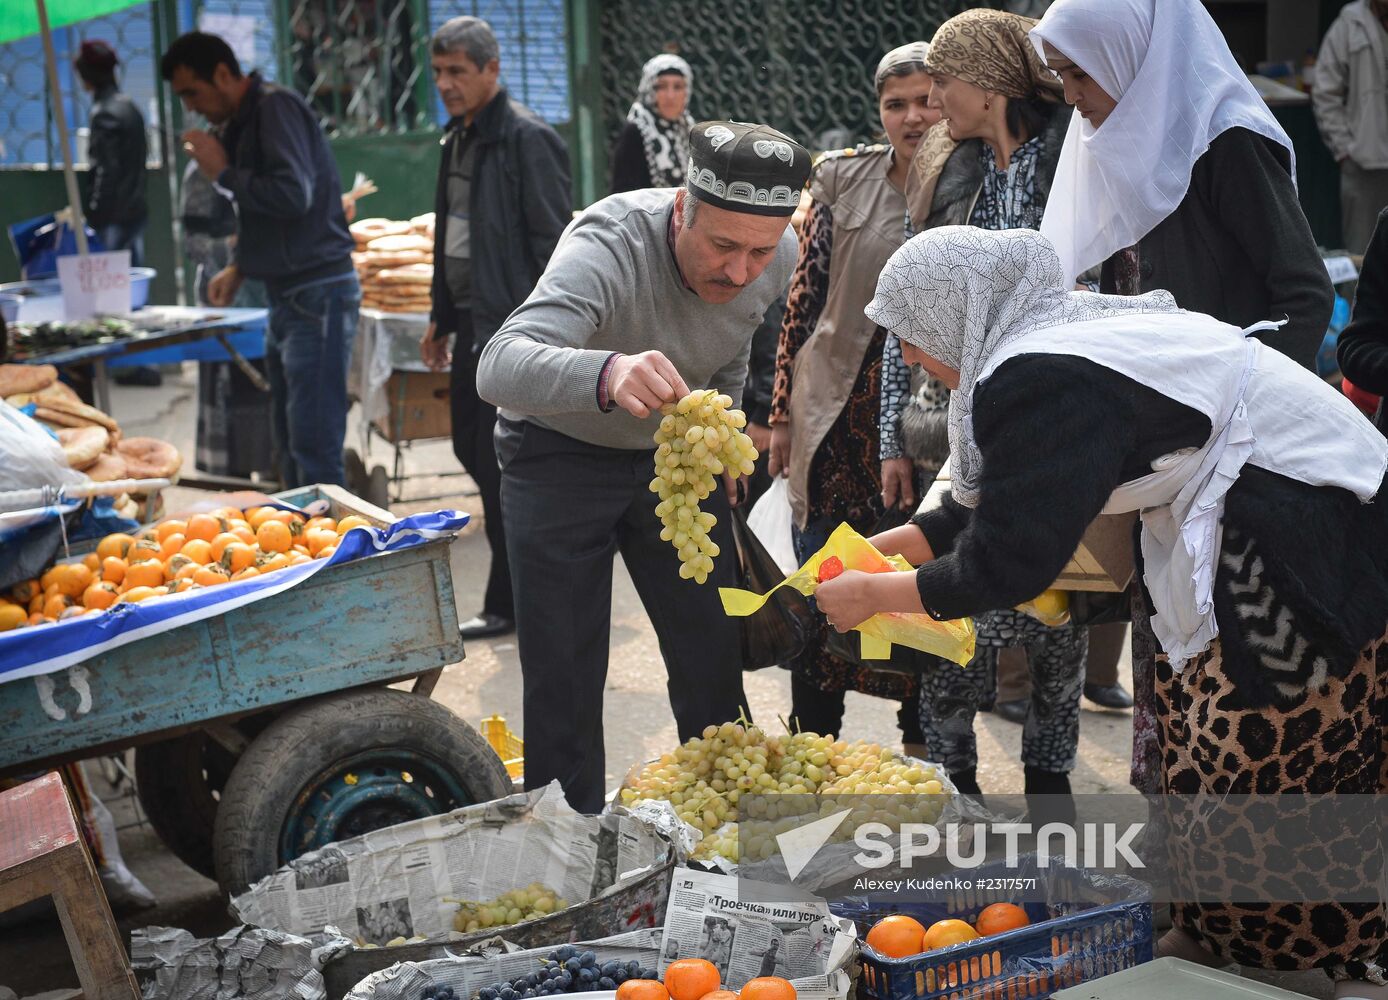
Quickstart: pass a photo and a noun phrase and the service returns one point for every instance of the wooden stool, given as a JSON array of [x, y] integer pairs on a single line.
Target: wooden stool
[[42, 854]]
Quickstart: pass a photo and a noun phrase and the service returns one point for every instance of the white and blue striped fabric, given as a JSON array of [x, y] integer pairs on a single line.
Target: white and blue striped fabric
[[53, 646]]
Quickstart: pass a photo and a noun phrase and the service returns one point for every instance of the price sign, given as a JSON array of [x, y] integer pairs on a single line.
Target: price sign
[[1341, 269], [97, 284]]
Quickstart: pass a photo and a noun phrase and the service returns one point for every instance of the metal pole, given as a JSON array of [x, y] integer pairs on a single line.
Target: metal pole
[[79, 224]]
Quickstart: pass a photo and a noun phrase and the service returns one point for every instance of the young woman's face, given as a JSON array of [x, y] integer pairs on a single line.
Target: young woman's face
[[906, 111], [971, 111], [1088, 98], [913, 355], [671, 95]]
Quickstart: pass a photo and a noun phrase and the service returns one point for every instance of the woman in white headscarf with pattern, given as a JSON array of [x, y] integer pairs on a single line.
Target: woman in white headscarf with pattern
[[652, 149], [1255, 483]]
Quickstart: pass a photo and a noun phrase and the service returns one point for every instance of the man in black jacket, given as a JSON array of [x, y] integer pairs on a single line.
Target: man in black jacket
[[1363, 346], [116, 150], [269, 153], [503, 178]]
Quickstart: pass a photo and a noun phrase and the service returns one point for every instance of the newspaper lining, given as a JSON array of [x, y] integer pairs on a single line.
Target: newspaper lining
[[710, 916], [397, 883]]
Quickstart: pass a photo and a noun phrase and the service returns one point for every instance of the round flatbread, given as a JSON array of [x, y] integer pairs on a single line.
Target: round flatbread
[[400, 244], [27, 378], [107, 468], [149, 458], [83, 445], [410, 274], [366, 230]]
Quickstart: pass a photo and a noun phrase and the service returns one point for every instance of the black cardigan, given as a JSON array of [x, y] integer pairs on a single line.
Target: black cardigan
[[630, 172], [1238, 247], [1058, 434], [1363, 347]]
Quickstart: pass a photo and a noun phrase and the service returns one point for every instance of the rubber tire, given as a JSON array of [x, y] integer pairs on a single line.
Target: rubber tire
[[354, 472], [378, 488], [305, 742], [180, 783]]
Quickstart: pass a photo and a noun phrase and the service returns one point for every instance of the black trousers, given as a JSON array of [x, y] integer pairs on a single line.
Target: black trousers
[[474, 424], [570, 507]]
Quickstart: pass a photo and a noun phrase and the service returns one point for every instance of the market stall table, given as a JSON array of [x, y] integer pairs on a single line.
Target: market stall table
[[164, 335]]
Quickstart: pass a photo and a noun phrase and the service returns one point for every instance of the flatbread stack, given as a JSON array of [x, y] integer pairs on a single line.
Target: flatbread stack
[[396, 267]]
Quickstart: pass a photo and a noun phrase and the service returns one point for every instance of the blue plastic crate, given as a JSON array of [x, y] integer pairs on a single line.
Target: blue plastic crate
[[1089, 926]]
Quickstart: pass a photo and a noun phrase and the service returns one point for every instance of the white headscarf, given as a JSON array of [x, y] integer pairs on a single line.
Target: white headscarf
[[960, 293], [665, 142], [1178, 88]]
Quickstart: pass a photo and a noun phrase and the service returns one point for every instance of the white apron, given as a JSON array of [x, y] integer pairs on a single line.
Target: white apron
[[1264, 410]]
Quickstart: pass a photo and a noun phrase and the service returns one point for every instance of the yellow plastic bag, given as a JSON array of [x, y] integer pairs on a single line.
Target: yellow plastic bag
[[1052, 608], [953, 640]]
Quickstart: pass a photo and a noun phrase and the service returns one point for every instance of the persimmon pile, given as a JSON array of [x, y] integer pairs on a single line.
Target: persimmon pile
[[173, 557], [900, 936]]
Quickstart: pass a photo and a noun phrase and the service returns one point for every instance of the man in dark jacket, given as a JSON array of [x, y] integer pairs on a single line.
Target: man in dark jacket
[[504, 178], [116, 150], [269, 153]]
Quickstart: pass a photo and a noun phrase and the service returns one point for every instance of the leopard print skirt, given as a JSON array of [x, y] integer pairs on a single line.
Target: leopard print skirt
[[1328, 738]]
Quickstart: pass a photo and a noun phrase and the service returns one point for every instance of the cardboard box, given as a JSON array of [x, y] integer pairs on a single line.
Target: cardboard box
[[1104, 560], [416, 407]]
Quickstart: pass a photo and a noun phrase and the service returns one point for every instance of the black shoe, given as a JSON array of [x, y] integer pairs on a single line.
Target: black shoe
[[142, 376], [1108, 695], [1013, 711], [485, 626]]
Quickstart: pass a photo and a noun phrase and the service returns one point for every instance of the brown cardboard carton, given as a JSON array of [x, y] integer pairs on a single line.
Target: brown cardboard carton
[[1104, 559], [416, 407]]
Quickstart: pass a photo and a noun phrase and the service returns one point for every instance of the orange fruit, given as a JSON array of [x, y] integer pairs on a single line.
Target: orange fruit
[[691, 978], [720, 995], [220, 543], [319, 539], [199, 550], [246, 573], [1001, 917], [298, 559], [113, 569], [236, 557], [321, 522], [270, 563], [642, 989], [171, 544], [168, 528], [14, 616], [144, 574], [37, 618], [49, 580], [256, 516], [114, 545], [289, 519], [174, 563], [897, 936], [76, 611], [767, 988], [352, 521], [93, 562], [326, 553], [137, 594], [243, 531], [187, 571], [273, 536], [36, 602], [226, 514], [25, 591], [203, 526], [181, 586], [101, 594], [56, 604], [210, 576], [69, 579], [943, 933], [144, 550]]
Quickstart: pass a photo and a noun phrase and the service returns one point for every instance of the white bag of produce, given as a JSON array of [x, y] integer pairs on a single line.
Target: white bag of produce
[[770, 521], [30, 457]]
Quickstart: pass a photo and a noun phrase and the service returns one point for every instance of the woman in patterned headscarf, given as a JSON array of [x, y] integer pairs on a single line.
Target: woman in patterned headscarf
[[989, 163], [653, 147], [823, 417]]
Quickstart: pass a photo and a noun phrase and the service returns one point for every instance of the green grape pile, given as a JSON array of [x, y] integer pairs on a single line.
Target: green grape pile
[[699, 439], [535, 900], [707, 777]]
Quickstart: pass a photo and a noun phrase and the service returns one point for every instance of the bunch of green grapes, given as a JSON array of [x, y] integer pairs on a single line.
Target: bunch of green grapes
[[535, 900], [699, 439]]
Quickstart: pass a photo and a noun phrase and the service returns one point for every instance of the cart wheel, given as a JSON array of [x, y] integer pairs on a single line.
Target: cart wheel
[[180, 782], [343, 766], [378, 488], [354, 472]]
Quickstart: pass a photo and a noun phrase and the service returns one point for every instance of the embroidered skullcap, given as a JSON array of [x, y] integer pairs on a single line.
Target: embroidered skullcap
[[745, 167]]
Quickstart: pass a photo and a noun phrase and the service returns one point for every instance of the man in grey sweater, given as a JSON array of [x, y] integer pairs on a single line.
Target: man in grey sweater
[[649, 294]]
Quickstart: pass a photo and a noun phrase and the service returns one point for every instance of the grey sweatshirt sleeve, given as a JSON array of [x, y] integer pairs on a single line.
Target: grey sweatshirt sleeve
[[539, 362]]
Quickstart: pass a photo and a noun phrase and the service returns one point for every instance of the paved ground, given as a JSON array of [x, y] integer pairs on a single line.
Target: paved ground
[[637, 716]]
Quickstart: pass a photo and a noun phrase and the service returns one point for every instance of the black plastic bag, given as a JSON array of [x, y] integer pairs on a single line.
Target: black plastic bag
[[778, 632]]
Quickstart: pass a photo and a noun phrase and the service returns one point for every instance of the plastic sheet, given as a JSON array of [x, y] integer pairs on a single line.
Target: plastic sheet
[[952, 640]]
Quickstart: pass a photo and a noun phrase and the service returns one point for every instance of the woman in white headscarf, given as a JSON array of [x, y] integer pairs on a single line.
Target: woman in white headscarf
[[1175, 175], [652, 149], [1254, 481]]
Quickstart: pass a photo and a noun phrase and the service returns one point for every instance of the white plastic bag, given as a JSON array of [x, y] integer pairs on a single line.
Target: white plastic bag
[[770, 521], [30, 457]]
